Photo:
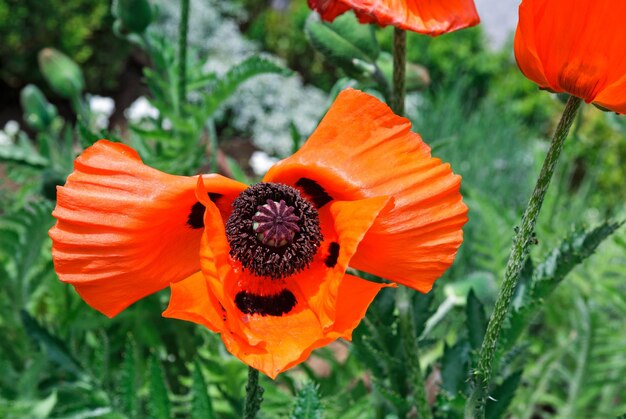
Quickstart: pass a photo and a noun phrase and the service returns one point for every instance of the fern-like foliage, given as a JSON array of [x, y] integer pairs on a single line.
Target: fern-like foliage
[[307, 404]]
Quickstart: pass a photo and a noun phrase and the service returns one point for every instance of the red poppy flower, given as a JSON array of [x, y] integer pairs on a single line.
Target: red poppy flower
[[576, 48], [429, 17], [265, 265]]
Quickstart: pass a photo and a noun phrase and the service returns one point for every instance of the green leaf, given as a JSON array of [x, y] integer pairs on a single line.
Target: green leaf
[[308, 404], [22, 152], [53, 346], [423, 309], [454, 366], [223, 88], [573, 250], [201, 406], [345, 42], [476, 321], [502, 396], [158, 399], [128, 384]]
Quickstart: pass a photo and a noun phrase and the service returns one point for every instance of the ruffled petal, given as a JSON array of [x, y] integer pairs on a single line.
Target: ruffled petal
[[360, 150], [125, 230], [430, 17], [191, 300], [344, 224]]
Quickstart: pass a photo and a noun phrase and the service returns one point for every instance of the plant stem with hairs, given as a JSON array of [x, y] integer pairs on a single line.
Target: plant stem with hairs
[[182, 54], [254, 395], [399, 71], [417, 385], [521, 243]]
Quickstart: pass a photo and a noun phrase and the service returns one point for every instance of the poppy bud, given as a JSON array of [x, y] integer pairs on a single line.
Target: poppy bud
[[63, 75], [133, 15], [38, 112]]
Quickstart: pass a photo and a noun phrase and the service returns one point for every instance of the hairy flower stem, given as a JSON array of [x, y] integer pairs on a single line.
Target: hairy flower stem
[[254, 395], [411, 354], [399, 71], [523, 238], [182, 54]]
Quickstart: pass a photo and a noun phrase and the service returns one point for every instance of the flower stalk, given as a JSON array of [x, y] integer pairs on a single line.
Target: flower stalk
[[399, 71], [254, 395], [411, 354], [182, 53], [521, 243]]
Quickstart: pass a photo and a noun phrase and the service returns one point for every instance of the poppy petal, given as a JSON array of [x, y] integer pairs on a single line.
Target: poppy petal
[[289, 340], [125, 230], [430, 17], [273, 342], [191, 300], [580, 54], [361, 149], [344, 224]]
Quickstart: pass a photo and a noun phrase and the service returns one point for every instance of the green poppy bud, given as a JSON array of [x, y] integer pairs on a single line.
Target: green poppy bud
[[134, 15], [63, 75], [38, 112]]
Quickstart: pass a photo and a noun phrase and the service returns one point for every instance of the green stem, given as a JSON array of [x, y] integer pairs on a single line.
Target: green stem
[[182, 53], [519, 252], [214, 144], [254, 395], [399, 71], [410, 347]]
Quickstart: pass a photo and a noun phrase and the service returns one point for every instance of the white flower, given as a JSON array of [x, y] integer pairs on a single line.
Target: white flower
[[260, 162], [5, 139], [12, 128], [141, 109], [101, 105]]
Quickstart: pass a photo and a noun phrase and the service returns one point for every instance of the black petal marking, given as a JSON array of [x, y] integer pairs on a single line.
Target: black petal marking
[[314, 192], [195, 219], [265, 305], [333, 255]]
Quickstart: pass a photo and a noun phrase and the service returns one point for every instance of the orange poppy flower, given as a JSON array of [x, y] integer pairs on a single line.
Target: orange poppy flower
[[576, 48], [429, 17], [265, 265]]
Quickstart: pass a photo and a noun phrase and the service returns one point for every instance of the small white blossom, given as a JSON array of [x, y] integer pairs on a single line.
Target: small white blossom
[[12, 128], [260, 162], [101, 105], [5, 139], [141, 109]]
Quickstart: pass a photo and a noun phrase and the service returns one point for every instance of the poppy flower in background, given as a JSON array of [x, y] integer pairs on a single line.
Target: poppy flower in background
[[265, 265], [428, 17], [576, 48]]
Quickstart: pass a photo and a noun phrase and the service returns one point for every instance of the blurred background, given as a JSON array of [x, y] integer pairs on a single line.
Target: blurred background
[[466, 98]]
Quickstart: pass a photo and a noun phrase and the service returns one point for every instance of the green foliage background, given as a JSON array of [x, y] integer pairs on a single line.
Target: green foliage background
[[560, 355]]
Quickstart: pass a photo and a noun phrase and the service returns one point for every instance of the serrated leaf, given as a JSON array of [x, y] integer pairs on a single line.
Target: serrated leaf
[[454, 366], [128, 383], [22, 152], [53, 347], [502, 396], [201, 406], [308, 404], [224, 87], [344, 42], [158, 398], [573, 250], [476, 320]]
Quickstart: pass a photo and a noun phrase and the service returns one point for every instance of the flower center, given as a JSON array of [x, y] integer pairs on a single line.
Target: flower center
[[273, 231], [275, 223]]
